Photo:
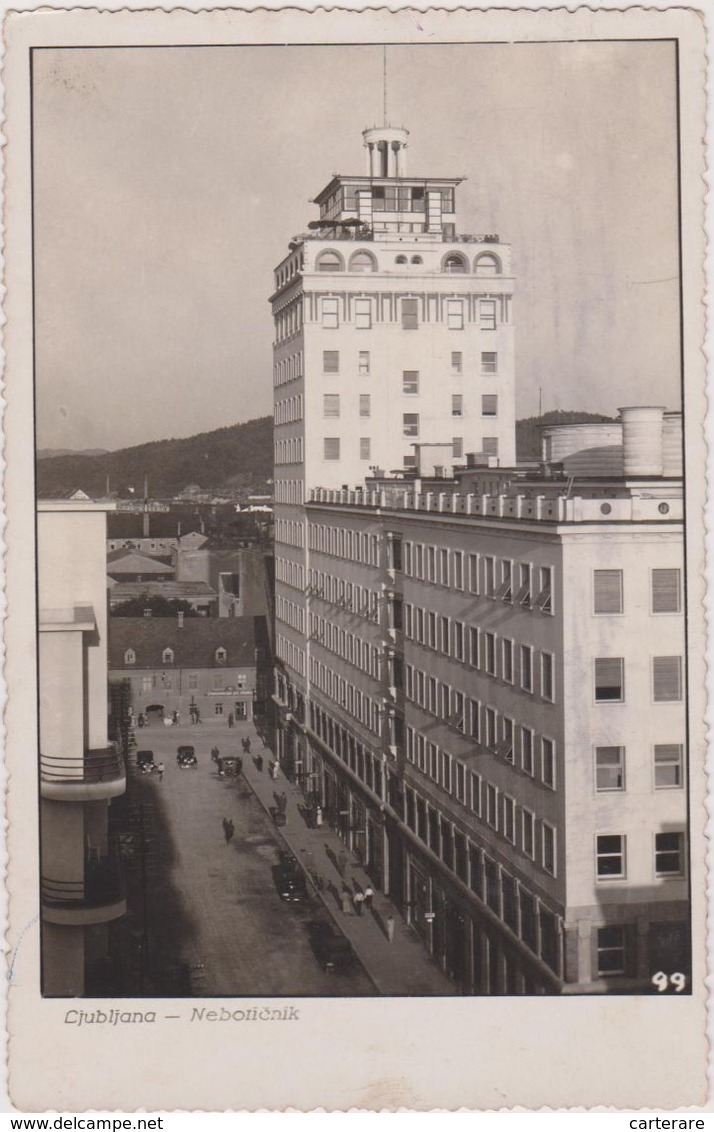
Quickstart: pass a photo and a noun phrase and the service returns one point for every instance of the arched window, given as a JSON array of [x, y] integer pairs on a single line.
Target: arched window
[[455, 264], [130, 657], [487, 264], [330, 261], [417, 259], [167, 656], [401, 259], [363, 261], [221, 656]]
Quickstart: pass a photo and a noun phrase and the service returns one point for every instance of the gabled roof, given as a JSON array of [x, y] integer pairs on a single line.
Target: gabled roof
[[131, 562], [194, 645], [127, 591]]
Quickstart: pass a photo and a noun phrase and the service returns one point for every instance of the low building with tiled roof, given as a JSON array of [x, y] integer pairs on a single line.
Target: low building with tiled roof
[[199, 595], [185, 664], [130, 566]]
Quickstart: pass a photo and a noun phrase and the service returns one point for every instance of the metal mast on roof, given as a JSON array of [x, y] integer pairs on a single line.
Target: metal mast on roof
[[386, 119]]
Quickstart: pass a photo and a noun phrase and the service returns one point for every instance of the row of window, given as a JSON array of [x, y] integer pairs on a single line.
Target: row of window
[[288, 369], [410, 378], [289, 491], [410, 421], [289, 451], [290, 531], [453, 263], [385, 198], [220, 656], [611, 855], [362, 601], [288, 410], [485, 313], [362, 707], [500, 657], [481, 574], [344, 542], [361, 761], [289, 572], [290, 613], [665, 591], [351, 647], [290, 654], [666, 679], [610, 767]]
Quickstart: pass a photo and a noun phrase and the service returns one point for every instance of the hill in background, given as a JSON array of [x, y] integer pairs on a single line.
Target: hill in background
[[239, 456], [209, 460]]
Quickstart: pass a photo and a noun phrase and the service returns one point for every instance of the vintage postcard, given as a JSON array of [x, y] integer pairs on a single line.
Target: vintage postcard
[[355, 559]]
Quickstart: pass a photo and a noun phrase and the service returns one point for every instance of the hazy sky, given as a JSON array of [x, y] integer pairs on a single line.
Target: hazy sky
[[169, 181]]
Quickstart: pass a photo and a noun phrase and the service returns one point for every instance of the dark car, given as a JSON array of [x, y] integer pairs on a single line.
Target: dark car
[[230, 766], [145, 760], [331, 947], [289, 880], [186, 757]]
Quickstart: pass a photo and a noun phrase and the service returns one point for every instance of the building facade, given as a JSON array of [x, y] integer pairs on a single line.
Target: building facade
[[80, 771], [481, 678]]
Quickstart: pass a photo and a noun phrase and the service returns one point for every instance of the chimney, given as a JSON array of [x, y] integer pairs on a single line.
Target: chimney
[[180, 619], [642, 440]]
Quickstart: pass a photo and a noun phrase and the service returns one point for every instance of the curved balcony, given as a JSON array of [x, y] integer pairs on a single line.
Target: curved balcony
[[95, 898], [98, 773]]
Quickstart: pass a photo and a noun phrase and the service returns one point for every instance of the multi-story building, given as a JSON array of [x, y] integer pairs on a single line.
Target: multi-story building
[[481, 677], [80, 771]]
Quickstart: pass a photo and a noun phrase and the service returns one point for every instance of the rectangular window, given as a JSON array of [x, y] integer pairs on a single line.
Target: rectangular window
[[609, 768], [410, 424], [431, 630], [610, 856], [523, 594], [505, 588], [487, 314], [490, 653], [491, 720], [489, 445], [456, 361], [473, 646], [526, 668], [331, 405], [547, 690], [192, 681], [454, 314], [507, 660], [365, 448], [607, 591], [548, 848], [363, 362], [363, 314], [527, 750], [330, 361], [457, 405], [365, 405], [489, 362], [669, 854], [528, 833], [548, 762], [489, 405], [609, 679], [476, 793], [458, 569], [474, 710], [458, 640], [611, 954], [492, 805], [668, 765], [332, 447], [330, 317], [410, 382], [489, 570], [457, 447], [509, 819], [666, 591], [444, 567], [667, 679], [410, 314], [544, 601]]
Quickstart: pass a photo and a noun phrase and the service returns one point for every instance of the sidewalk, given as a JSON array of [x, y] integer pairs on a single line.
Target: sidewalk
[[400, 968]]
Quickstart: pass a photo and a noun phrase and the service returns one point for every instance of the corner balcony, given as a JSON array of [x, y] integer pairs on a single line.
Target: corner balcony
[[98, 774], [94, 898]]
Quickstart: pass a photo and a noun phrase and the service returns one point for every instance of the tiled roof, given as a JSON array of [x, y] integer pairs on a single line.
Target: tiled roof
[[126, 591], [194, 646], [131, 562]]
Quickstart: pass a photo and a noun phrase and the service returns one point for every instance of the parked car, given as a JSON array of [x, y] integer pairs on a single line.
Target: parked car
[[331, 947], [145, 761], [186, 757], [289, 879]]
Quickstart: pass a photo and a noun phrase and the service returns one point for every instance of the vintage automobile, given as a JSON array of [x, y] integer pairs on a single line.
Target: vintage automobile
[[145, 761], [186, 757], [331, 947], [289, 879], [229, 766]]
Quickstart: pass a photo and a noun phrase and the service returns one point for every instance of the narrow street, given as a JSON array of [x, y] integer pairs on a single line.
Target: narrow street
[[215, 905]]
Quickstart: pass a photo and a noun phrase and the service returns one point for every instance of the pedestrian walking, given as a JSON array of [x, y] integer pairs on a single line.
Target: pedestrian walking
[[228, 829], [390, 928], [345, 902], [160, 771], [318, 816], [231, 719], [368, 896], [176, 718], [342, 860], [358, 901]]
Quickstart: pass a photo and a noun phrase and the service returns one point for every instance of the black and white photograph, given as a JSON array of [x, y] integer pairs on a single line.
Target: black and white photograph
[[364, 617]]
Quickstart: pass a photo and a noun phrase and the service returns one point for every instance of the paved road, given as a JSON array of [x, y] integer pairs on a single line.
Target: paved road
[[215, 903]]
